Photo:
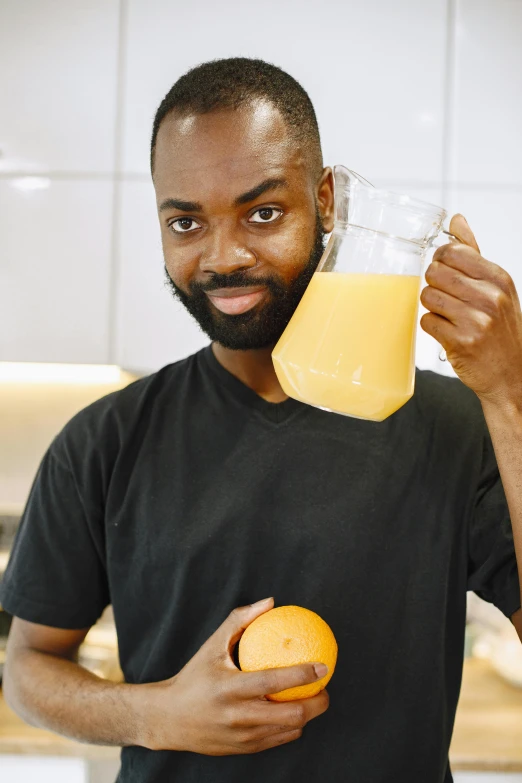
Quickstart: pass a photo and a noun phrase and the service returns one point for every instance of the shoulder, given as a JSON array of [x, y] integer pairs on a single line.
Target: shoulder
[[112, 419]]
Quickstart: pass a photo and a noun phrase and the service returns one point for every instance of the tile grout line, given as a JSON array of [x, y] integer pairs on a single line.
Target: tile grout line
[[116, 187], [449, 95], [137, 176], [447, 133]]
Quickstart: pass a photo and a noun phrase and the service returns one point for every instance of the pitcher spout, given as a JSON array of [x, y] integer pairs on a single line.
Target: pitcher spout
[[347, 183], [358, 203]]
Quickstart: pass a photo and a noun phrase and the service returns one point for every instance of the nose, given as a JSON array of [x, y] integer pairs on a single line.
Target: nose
[[225, 252]]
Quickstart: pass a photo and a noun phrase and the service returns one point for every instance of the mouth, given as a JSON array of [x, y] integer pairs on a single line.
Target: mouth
[[234, 301]]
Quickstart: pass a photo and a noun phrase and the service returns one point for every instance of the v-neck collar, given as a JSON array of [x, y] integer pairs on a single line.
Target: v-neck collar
[[276, 412]]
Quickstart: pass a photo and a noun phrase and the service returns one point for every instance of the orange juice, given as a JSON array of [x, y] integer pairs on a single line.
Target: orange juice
[[350, 345]]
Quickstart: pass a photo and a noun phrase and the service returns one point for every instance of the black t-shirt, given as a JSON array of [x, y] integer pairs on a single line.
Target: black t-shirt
[[186, 494]]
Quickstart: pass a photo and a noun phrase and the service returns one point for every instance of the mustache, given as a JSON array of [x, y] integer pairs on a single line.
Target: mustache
[[234, 280]]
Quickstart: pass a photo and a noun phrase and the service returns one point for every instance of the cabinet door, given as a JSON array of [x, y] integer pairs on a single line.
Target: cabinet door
[[58, 111], [152, 328], [380, 109], [486, 107], [58, 62], [54, 270]]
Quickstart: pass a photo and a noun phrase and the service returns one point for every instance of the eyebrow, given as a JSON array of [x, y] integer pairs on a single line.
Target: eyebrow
[[267, 184], [244, 198], [183, 206]]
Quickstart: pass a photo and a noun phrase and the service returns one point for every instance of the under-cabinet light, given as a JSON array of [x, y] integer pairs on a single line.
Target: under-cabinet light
[[26, 372]]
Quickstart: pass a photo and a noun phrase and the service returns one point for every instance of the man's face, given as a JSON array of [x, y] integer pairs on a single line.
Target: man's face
[[242, 221]]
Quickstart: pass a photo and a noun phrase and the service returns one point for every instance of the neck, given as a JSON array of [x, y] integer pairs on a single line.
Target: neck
[[253, 368]]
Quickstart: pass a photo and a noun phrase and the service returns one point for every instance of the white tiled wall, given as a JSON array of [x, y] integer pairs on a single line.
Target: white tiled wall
[[494, 214], [488, 93], [418, 97], [483, 175], [144, 306], [58, 85], [55, 270], [378, 110]]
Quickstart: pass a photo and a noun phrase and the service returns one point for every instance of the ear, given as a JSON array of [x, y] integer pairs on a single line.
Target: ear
[[325, 199]]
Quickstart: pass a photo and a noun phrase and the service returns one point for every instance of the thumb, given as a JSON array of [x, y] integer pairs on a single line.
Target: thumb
[[239, 619], [459, 226]]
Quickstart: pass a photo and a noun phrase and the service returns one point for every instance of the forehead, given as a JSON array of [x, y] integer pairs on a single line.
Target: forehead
[[231, 149]]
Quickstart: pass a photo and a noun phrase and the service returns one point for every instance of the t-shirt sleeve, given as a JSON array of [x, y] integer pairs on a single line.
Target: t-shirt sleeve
[[56, 573], [492, 565]]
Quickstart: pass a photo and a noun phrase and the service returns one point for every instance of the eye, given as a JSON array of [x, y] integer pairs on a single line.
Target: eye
[[184, 225], [266, 215]]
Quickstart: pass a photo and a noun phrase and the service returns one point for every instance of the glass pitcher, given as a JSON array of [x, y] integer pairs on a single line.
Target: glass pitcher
[[349, 348]]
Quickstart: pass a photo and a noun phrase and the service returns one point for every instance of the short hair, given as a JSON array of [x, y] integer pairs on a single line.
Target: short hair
[[230, 83]]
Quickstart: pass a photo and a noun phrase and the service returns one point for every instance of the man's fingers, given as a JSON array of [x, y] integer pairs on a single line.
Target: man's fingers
[[273, 740], [274, 716], [252, 684], [293, 714], [459, 227], [465, 259], [441, 303]]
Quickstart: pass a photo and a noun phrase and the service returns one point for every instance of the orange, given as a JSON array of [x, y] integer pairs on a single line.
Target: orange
[[286, 636]]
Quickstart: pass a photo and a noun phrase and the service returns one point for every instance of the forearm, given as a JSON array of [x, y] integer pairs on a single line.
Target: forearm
[[58, 694], [505, 427]]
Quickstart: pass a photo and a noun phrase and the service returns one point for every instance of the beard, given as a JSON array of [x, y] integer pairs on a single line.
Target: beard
[[263, 325]]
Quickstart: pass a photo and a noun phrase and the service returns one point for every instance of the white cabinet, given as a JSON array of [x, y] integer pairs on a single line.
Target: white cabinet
[[55, 271], [487, 110], [152, 328], [494, 216], [58, 62], [58, 99], [378, 94]]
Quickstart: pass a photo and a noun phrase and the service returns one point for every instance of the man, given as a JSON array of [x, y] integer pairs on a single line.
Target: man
[[193, 493]]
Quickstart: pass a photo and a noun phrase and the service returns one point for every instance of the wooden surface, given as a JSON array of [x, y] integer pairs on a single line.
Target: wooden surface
[[487, 735], [488, 726]]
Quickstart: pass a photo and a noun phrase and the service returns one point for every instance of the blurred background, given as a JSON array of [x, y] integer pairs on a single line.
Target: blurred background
[[423, 98]]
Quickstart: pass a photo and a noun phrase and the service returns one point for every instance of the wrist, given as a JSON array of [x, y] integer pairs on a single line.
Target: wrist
[[153, 716], [128, 697], [506, 408]]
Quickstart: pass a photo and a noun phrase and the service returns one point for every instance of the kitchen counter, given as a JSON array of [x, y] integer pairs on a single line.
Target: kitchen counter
[[488, 726], [487, 735]]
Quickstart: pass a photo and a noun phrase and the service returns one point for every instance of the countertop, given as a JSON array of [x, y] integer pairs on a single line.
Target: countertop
[[488, 725], [487, 735]]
